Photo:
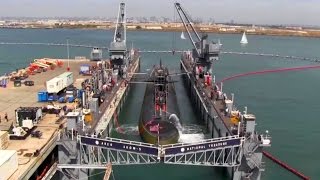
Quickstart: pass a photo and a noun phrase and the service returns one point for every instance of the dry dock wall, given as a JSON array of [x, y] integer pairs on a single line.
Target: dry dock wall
[[205, 111], [109, 119]]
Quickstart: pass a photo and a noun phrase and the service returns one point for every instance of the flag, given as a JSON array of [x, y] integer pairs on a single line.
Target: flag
[[154, 128]]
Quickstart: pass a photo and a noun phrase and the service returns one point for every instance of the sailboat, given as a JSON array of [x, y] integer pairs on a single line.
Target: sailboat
[[219, 43], [182, 36], [244, 39]]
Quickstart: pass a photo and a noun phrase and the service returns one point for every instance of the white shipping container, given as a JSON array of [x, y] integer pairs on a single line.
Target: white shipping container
[[8, 163], [67, 78], [4, 139], [54, 85]]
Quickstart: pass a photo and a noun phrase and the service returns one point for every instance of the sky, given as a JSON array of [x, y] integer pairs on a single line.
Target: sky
[[301, 12]]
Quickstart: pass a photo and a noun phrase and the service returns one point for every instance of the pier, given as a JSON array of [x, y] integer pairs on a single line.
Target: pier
[[32, 151]]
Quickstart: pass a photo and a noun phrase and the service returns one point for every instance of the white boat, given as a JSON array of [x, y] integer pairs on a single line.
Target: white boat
[[182, 36], [219, 43], [244, 39]]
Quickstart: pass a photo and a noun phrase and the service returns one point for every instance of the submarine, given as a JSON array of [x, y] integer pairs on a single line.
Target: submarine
[[159, 113]]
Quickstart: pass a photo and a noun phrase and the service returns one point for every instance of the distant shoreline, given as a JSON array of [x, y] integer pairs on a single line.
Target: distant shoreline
[[312, 33]]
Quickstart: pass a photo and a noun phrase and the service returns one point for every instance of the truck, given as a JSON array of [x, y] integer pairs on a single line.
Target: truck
[[59, 83]]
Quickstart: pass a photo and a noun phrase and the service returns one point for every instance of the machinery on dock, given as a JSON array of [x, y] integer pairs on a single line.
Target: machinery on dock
[[118, 48], [96, 54], [159, 114], [204, 52]]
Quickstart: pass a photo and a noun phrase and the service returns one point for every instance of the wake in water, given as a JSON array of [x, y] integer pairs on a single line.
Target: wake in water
[[188, 133], [128, 129], [191, 133]]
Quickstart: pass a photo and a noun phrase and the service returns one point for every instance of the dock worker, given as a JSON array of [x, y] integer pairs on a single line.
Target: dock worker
[[6, 116], [211, 94]]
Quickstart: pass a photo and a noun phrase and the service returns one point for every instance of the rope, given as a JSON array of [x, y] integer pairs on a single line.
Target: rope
[[173, 32]]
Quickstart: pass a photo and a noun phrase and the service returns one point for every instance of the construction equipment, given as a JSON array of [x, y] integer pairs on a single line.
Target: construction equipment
[[118, 48], [37, 134], [204, 52]]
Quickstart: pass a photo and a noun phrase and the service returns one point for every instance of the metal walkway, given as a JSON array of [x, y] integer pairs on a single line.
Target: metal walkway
[[96, 153]]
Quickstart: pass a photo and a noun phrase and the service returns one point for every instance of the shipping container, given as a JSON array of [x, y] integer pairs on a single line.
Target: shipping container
[[4, 139], [42, 96], [55, 85], [8, 163], [60, 82], [67, 79]]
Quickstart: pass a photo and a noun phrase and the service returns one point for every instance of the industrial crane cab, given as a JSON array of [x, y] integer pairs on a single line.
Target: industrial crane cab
[[96, 54], [209, 51], [118, 49]]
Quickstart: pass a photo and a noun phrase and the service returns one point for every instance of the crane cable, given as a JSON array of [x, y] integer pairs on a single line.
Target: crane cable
[[173, 32]]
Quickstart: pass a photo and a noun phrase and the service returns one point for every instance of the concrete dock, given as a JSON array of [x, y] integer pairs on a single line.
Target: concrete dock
[[26, 96], [116, 100]]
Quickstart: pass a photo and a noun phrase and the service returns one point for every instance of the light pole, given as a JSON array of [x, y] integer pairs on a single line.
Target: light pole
[[68, 68]]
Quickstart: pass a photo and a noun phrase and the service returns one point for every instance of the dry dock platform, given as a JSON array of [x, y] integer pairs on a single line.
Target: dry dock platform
[[12, 98]]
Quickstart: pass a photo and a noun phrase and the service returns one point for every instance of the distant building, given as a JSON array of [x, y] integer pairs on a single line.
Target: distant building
[[154, 27], [250, 30], [131, 27], [225, 29]]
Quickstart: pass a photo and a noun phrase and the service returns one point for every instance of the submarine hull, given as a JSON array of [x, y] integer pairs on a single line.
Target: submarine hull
[[159, 129]]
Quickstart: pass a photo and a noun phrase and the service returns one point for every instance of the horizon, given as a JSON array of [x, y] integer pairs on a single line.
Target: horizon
[[272, 12]]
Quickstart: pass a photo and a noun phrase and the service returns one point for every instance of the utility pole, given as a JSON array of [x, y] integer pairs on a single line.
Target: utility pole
[[68, 68]]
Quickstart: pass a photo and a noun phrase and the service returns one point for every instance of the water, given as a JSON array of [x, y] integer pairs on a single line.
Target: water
[[285, 103]]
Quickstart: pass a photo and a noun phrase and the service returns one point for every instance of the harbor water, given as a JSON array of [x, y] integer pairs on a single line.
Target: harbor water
[[285, 104]]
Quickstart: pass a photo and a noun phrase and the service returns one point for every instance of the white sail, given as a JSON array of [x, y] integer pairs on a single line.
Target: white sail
[[244, 39], [219, 43], [182, 36]]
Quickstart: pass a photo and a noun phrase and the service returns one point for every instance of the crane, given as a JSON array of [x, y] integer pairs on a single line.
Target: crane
[[118, 48], [204, 52]]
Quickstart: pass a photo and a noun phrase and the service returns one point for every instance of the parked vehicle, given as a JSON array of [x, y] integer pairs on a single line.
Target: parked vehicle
[[29, 83]]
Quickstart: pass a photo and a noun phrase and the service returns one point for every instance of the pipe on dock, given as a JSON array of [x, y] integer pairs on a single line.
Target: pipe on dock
[[285, 166]]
